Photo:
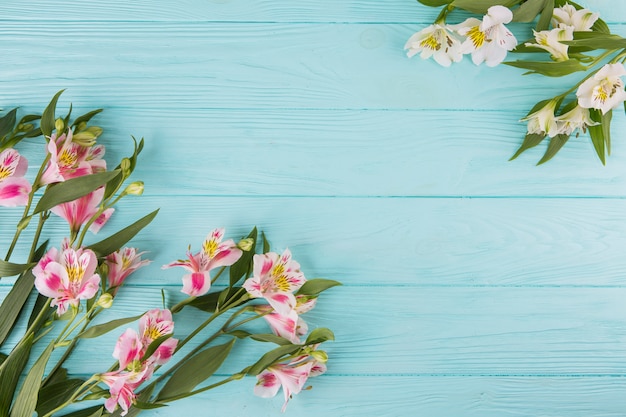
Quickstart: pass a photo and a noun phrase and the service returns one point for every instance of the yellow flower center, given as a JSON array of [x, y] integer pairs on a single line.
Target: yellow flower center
[[431, 42], [68, 158], [477, 36], [75, 273], [153, 332], [210, 247], [5, 172]]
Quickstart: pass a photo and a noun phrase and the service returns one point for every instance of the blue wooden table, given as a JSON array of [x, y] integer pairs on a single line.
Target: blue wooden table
[[473, 286]]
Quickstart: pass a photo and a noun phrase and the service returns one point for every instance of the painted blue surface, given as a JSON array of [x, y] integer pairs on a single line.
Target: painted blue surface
[[473, 286]]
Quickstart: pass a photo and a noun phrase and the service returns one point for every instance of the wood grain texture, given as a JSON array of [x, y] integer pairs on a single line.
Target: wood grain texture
[[164, 65], [246, 11], [394, 241]]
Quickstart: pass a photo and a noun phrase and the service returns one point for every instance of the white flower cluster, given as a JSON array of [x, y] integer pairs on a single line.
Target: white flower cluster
[[487, 40]]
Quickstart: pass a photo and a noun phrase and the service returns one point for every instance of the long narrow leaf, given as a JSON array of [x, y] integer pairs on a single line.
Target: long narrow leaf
[[48, 117], [7, 122], [528, 11], [26, 400], [316, 286], [53, 395], [597, 135], [14, 302], [94, 411], [8, 269], [548, 68], [546, 15], [11, 371], [72, 189], [272, 357], [531, 140], [556, 143], [195, 371], [119, 239], [242, 267], [104, 328], [481, 6]]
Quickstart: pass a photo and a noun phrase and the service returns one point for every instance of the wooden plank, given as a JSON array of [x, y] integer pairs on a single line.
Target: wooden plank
[[245, 11], [161, 66], [427, 396], [351, 153], [429, 331], [400, 241]]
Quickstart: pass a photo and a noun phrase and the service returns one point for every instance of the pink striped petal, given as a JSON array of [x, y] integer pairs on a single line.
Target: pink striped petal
[[14, 192], [101, 220], [196, 283], [127, 348], [267, 385]]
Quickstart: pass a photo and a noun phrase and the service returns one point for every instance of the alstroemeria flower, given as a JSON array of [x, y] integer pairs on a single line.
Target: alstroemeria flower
[[275, 278], [543, 121], [120, 264], [437, 41], [581, 20], [14, 188], [291, 376], [605, 90], [78, 212], [488, 40], [154, 324], [290, 326], [214, 254], [550, 40], [577, 118], [70, 160], [67, 277], [130, 350]]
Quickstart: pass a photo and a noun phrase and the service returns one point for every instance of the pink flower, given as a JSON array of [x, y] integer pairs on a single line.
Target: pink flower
[[130, 350], [290, 326], [275, 278], [14, 188], [291, 376], [154, 324], [78, 212], [67, 277], [121, 264], [214, 254], [70, 160]]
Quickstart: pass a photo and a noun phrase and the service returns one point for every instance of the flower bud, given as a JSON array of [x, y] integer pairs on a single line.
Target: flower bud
[[125, 166], [59, 125], [320, 356], [246, 244], [23, 224], [87, 137], [135, 188], [25, 127], [105, 300]]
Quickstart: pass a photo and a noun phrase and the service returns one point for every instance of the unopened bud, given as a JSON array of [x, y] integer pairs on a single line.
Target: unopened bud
[[104, 269], [320, 356], [125, 166], [246, 244], [135, 188], [105, 300], [23, 224], [87, 137], [59, 125], [25, 127]]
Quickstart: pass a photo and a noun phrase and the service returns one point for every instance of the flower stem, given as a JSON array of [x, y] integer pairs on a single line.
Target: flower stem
[[83, 389]]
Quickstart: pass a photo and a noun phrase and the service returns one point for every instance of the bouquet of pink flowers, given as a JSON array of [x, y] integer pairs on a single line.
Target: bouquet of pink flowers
[[567, 38], [77, 282]]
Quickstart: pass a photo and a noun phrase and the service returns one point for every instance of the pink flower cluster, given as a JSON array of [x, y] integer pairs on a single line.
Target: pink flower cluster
[[134, 367]]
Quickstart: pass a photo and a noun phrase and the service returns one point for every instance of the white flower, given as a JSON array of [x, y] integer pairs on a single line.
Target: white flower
[[550, 40], [543, 122], [581, 20], [577, 118], [488, 40], [605, 90], [436, 41]]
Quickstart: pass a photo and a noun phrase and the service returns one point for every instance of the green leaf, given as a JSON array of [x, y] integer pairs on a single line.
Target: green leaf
[[243, 265], [528, 11], [119, 239], [606, 129], [546, 16], [26, 400], [207, 302], [319, 335], [148, 406], [481, 6], [549, 68], [266, 243], [596, 40], [104, 328], [195, 371], [600, 26], [8, 269], [48, 117], [271, 338], [272, 357], [13, 304], [435, 3], [86, 117], [154, 346], [7, 122], [11, 371], [531, 140], [95, 411], [72, 189], [556, 143], [53, 395], [597, 135], [316, 286]]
